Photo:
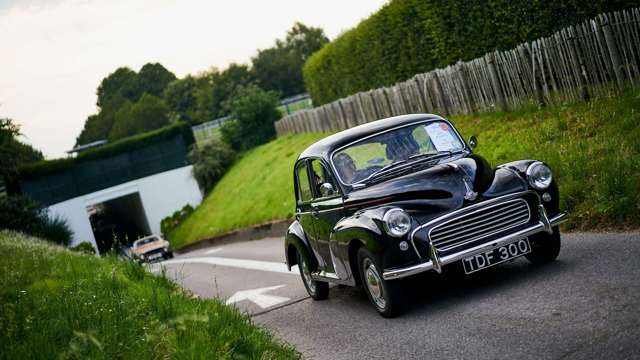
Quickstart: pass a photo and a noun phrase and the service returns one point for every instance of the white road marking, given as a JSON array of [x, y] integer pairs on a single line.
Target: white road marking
[[258, 297], [214, 250], [269, 266]]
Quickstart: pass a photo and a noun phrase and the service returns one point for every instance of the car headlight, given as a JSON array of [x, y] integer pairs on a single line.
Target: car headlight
[[396, 222], [539, 175]]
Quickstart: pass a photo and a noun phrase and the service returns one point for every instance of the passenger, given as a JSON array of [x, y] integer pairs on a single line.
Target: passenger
[[346, 167]]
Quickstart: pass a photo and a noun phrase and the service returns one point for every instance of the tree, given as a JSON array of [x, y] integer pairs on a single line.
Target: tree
[[14, 153], [210, 162], [121, 86], [153, 79], [279, 68], [254, 112], [149, 113], [181, 99], [122, 82], [225, 84]]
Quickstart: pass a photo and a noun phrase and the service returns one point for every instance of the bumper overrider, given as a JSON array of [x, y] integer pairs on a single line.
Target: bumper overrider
[[544, 223]]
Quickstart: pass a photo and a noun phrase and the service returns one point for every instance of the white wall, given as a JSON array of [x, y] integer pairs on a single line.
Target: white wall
[[161, 194]]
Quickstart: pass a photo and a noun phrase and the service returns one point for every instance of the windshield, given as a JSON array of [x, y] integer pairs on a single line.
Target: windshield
[[144, 241], [364, 158]]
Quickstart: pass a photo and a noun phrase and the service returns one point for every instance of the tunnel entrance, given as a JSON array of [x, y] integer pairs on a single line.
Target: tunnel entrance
[[118, 222]]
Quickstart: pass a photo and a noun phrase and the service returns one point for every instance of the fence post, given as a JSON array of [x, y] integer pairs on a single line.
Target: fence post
[[574, 45], [613, 50], [497, 87]]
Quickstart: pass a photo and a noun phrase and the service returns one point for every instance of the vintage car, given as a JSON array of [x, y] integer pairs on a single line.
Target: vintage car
[[150, 248], [405, 195]]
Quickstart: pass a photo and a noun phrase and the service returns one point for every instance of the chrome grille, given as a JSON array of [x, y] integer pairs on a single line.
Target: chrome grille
[[480, 223]]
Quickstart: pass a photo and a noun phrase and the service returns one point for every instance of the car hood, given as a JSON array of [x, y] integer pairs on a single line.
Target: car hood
[[444, 187], [149, 247]]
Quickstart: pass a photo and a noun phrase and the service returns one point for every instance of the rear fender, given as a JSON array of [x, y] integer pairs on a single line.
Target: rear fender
[[296, 240]]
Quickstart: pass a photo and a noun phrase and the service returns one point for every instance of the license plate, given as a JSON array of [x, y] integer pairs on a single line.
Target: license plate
[[496, 256], [154, 256]]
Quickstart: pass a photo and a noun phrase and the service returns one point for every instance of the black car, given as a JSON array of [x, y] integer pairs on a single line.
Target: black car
[[404, 195]]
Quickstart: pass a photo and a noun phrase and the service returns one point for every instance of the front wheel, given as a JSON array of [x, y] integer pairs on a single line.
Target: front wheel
[[544, 247], [384, 295], [318, 290]]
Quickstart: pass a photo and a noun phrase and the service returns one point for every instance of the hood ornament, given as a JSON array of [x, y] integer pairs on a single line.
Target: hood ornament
[[470, 195]]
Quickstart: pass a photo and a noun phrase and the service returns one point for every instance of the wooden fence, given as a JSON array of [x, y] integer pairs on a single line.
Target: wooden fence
[[576, 63]]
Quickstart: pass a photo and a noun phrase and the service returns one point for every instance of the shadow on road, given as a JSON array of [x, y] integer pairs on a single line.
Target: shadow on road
[[437, 292]]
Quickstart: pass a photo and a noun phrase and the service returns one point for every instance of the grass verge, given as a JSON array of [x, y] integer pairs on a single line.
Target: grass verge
[[593, 149], [55, 303], [258, 188]]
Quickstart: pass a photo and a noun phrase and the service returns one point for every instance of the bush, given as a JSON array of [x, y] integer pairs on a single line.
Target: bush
[[171, 222], [20, 213], [211, 161], [407, 37], [130, 144], [254, 111], [84, 247]]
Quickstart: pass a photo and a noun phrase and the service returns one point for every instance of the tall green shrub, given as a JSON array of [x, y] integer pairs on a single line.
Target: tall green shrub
[[20, 213], [407, 37], [210, 161], [253, 111]]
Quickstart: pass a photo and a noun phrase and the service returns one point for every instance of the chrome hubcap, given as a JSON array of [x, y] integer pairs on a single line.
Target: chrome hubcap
[[374, 284], [307, 276]]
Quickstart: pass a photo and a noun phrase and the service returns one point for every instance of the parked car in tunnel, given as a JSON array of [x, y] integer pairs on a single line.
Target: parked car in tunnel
[[151, 248], [405, 195]]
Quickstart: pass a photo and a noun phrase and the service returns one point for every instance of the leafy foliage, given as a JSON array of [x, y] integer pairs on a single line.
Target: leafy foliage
[[132, 143], [253, 111], [406, 37], [181, 100], [147, 114], [85, 248], [171, 222], [20, 213], [124, 88], [66, 305], [13, 153], [279, 68], [210, 162]]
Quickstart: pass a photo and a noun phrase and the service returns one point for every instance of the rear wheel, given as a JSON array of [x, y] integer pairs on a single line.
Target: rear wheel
[[384, 295], [545, 248], [318, 290]]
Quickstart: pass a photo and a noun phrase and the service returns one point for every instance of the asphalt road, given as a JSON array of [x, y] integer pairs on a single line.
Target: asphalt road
[[584, 305]]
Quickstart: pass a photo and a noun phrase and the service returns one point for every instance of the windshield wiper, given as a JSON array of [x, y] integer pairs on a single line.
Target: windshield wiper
[[382, 170], [436, 155], [407, 163]]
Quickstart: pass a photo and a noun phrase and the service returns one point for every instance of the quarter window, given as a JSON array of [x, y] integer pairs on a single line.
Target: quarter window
[[320, 176], [304, 190]]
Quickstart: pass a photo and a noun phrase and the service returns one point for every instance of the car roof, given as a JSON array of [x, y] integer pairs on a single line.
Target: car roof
[[323, 148]]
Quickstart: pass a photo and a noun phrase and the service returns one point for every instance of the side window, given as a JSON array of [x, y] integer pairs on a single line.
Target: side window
[[322, 176], [304, 190]]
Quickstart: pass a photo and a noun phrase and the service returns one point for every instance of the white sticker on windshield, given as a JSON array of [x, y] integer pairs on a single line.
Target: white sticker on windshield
[[441, 136]]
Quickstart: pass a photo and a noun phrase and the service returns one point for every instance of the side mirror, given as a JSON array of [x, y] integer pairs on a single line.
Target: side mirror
[[326, 189], [473, 141]]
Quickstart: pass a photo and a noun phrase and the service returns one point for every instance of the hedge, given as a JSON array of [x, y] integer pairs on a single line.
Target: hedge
[[128, 144], [407, 37]]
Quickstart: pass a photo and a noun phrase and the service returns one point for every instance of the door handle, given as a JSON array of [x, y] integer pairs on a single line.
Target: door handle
[[314, 212]]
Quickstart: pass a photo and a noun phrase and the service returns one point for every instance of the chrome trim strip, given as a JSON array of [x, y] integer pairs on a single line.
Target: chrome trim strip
[[392, 274], [482, 223], [480, 233], [462, 209], [497, 213]]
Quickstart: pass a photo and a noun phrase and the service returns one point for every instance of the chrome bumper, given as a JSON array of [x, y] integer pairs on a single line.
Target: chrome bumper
[[436, 263]]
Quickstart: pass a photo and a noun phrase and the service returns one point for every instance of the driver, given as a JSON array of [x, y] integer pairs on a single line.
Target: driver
[[346, 166], [401, 148]]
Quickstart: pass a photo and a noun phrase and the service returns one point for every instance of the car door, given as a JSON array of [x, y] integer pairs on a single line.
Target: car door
[[304, 198], [326, 210]]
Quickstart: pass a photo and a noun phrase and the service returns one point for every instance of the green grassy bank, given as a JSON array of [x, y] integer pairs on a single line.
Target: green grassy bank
[[55, 303], [593, 149], [257, 189]]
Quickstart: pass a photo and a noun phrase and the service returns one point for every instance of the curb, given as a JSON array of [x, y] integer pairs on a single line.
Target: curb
[[276, 228]]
